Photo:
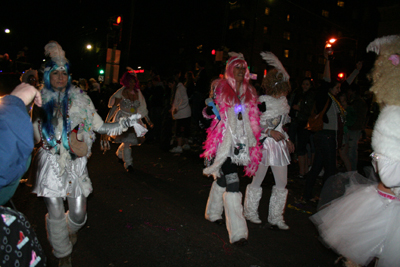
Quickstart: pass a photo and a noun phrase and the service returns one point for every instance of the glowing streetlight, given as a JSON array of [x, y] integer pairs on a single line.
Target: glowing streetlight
[[7, 31], [332, 40], [89, 47]]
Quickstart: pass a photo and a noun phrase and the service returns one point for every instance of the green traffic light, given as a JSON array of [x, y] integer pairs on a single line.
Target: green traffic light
[[101, 71]]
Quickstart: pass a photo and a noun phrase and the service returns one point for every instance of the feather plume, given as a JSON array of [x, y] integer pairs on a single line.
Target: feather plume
[[56, 53], [272, 60], [238, 55], [375, 45]]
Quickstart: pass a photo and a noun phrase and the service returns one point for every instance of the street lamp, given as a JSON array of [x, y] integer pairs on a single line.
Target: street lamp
[[333, 40], [89, 47], [7, 31]]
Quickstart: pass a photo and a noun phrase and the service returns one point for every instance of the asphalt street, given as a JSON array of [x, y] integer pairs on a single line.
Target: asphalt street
[[155, 217]]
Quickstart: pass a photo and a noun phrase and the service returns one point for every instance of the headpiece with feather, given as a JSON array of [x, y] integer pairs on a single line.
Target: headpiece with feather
[[272, 60], [56, 53]]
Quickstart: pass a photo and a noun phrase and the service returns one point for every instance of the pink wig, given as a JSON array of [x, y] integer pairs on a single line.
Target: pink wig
[[231, 96], [127, 77]]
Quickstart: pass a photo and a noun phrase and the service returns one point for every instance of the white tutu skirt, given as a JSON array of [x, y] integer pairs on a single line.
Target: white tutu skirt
[[275, 153], [362, 225]]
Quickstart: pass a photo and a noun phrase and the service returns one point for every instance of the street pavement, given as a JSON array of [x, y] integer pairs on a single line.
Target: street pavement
[[155, 217]]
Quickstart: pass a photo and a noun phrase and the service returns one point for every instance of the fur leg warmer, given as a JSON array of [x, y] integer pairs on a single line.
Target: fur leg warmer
[[251, 202], [235, 222], [58, 235], [73, 228], [215, 203], [277, 204]]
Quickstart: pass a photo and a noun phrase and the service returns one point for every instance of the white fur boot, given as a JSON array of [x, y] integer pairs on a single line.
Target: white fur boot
[[277, 207], [73, 228], [251, 202], [235, 222], [215, 203], [58, 235]]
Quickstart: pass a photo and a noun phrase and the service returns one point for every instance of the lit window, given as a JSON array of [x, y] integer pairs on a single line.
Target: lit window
[[288, 17], [286, 53], [265, 29], [267, 11], [325, 13], [286, 35], [340, 3]]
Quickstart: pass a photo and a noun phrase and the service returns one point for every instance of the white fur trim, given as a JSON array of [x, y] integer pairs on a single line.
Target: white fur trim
[[275, 107], [386, 134]]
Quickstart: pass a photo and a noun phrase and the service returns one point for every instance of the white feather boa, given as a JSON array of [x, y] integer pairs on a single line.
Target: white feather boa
[[224, 149], [275, 107]]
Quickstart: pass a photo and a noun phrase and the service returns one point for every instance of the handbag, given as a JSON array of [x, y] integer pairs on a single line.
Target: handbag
[[315, 121]]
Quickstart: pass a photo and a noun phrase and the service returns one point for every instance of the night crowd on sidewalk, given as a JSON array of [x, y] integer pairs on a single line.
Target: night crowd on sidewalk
[[238, 126]]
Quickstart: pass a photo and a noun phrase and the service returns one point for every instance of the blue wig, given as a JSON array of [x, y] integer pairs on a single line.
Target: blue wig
[[47, 127], [51, 65]]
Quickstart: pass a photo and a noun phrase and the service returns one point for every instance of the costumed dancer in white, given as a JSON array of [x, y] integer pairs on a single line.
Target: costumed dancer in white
[[126, 102], [232, 140], [276, 146], [65, 127], [363, 225]]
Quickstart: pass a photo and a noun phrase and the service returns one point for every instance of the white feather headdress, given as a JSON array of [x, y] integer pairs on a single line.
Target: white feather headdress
[[272, 60], [56, 53]]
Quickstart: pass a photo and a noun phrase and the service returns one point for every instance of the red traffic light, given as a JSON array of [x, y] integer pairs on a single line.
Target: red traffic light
[[213, 52]]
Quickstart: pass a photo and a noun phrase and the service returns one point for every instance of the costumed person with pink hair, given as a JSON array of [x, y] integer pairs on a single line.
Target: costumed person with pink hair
[[232, 140], [276, 146], [65, 128], [126, 102], [363, 225]]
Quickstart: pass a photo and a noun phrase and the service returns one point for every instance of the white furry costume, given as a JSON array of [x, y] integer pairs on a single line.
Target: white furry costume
[[364, 223]]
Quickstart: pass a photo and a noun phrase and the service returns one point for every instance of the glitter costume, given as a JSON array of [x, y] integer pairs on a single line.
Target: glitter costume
[[123, 107]]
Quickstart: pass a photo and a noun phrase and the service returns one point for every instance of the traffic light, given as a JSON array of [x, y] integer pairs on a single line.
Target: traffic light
[[115, 28], [213, 52], [118, 20], [101, 71]]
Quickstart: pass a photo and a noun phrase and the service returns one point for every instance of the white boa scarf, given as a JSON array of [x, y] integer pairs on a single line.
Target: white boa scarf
[[275, 107]]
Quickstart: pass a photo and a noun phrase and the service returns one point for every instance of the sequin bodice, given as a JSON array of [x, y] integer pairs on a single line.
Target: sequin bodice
[[129, 106]]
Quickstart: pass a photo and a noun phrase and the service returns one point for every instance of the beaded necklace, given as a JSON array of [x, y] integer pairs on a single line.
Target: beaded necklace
[[341, 109]]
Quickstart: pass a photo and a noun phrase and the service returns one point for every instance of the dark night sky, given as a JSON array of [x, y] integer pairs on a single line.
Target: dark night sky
[[158, 26], [159, 29]]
